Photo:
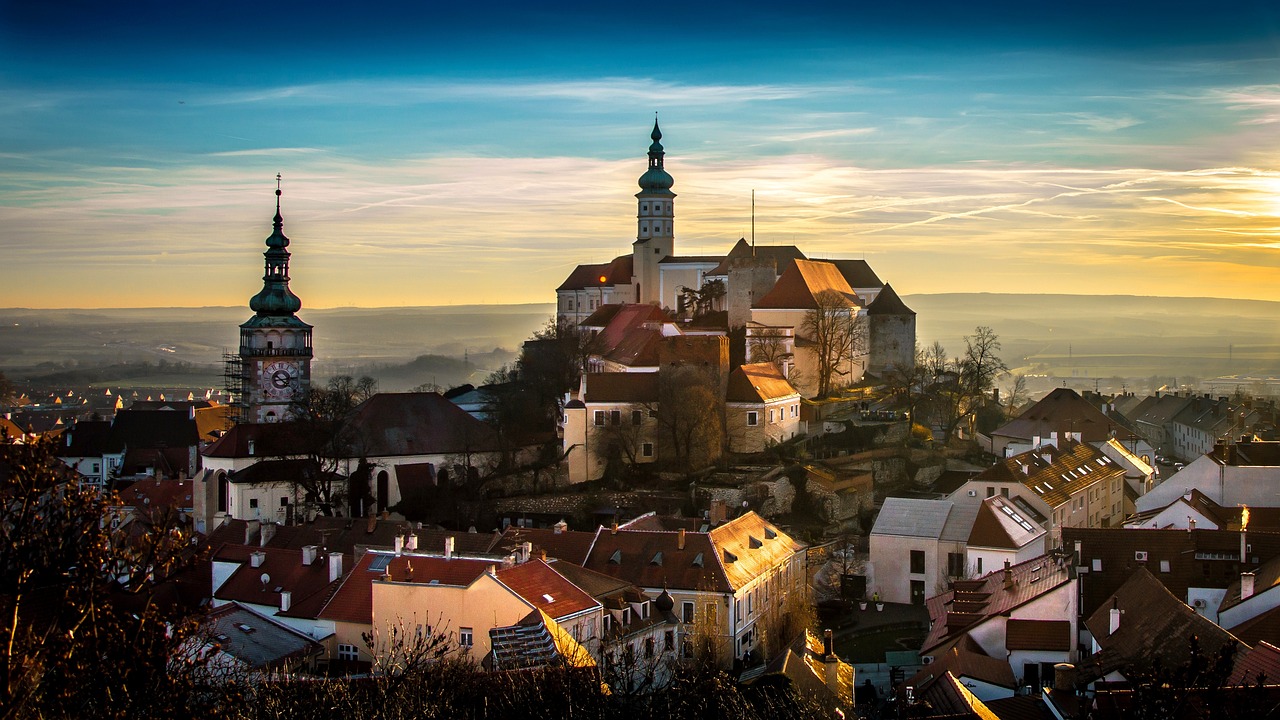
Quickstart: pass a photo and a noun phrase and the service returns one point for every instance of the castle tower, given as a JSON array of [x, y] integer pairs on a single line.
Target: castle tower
[[655, 236], [275, 346]]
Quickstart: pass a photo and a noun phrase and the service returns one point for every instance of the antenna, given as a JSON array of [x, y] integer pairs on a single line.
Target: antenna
[[753, 222]]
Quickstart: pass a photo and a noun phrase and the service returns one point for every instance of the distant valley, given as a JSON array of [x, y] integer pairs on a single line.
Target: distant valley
[[1076, 339]]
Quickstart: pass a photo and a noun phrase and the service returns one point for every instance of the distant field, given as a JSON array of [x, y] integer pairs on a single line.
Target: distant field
[[1074, 339]]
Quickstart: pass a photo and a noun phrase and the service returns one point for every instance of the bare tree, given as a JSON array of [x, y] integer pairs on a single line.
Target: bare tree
[[690, 418], [836, 334], [327, 438], [769, 344]]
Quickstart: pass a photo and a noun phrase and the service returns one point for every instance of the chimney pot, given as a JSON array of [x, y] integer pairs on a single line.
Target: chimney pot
[[286, 600], [335, 566], [256, 558], [411, 542], [399, 544], [448, 547]]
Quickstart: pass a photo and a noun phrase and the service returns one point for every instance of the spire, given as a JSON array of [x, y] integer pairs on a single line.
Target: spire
[[275, 299], [656, 178]]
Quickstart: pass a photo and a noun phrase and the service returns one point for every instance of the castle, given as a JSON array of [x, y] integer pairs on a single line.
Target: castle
[[759, 294]]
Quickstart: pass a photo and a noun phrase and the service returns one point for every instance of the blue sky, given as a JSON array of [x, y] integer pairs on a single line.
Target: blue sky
[[444, 154]]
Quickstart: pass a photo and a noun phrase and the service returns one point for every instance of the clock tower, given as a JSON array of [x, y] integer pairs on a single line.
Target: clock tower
[[275, 346]]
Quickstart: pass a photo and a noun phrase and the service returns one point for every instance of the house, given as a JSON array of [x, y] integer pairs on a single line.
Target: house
[[83, 447], [1241, 473], [468, 597], [1196, 565], [1004, 533], [729, 581], [1025, 613], [918, 547], [810, 666], [988, 678], [614, 415], [1204, 421], [626, 338], [1194, 509], [237, 644], [289, 586], [761, 408], [1063, 412]]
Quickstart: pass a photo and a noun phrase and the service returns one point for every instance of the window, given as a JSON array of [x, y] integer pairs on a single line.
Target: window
[[991, 492], [284, 501], [751, 610], [615, 417], [1164, 566], [466, 637], [97, 468], [979, 566], [753, 418], [955, 564], [636, 417], [1097, 564], [770, 416], [253, 503], [686, 612], [599, 418], [648, 647], [668, 640], [348, 653], [917, 561], [646, 450]]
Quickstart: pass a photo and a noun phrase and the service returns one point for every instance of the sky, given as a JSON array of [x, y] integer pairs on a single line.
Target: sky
[[459, 153]]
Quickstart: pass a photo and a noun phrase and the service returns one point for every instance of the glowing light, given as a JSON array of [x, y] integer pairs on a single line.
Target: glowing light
[[1244, 518]]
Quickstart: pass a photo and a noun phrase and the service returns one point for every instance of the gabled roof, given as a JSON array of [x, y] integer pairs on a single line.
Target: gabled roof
[[546, 589], [421, 423], [966, 659], [781, 254], [571, 545], [258, 642], [1070, 467], [616, 272], [802, 282], [137, 429], [268, 440], [1154, 627], [640, 387], [856, 272], [174, 494], [294, 470], [284, 572], [602, 316], [971, 602], [1266, 577], [758, 383], [1064, 411], [626, 321], [597, 585], [803, 663], [914, 517], [1001, 524], [749, 546], [87, 438], [653, 559]]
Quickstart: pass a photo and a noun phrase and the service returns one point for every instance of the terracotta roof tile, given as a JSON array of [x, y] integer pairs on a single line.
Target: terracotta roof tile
[[801, 282], [546, 589], [758, 383], [1064, 411], [757, 544], [640, 387], [1038, 635]]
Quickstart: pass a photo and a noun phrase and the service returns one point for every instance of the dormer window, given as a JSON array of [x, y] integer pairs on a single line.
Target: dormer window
[[616, 558], [657, 558]]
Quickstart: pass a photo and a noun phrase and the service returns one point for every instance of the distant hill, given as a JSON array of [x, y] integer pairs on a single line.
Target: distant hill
[[1066, 336]]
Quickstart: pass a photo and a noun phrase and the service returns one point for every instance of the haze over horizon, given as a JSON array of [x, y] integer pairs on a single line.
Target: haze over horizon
[[439, 155]]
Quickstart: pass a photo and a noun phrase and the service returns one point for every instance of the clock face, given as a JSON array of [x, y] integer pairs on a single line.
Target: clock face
[[280, 379]]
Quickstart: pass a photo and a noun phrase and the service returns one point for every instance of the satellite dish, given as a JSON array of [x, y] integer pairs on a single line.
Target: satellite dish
[[265, 579]]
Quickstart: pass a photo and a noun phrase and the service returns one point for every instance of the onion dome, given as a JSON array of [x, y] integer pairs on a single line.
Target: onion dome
[[664, 602], [656, 178], [275, 298]]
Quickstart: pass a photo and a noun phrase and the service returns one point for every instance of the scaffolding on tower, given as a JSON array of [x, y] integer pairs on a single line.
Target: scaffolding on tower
[[233, 383]]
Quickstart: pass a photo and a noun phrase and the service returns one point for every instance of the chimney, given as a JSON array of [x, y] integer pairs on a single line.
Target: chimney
[[719, 512], [526, 551], [250, 448], [560, 527], [827, 644], [1115, 621], [448, 548], [1035, 442], [251, 532], [1191, 523], [1008, 576], [408, 571], [411, 542], [256, 558], [399, 546], [1064, 678], [680, 539], [309, 554], [191, 412], [1246, 585], [335, 566], [831, 671], [614, 529], [286, 600], [268, 532]]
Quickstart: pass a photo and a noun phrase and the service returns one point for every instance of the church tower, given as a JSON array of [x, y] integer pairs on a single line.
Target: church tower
[[275, 346], [655, 237]]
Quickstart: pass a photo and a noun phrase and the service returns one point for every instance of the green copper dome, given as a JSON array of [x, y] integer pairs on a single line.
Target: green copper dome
[[656, 179], [275, 299]]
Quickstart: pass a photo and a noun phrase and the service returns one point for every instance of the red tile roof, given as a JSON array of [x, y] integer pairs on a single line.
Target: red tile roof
[[1064, 411], [758, 383], [749, 546], [639, 387], [652, 559], [546, 589], [802, 282], [1038, 635], [571, 545], [616, 272], [421, 423], [284, 571], [174, 494], [269, 440]]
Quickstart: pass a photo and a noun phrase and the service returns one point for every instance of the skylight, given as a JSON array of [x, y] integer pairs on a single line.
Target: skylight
[[379, 563], [547, 597], [616, 557]]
